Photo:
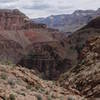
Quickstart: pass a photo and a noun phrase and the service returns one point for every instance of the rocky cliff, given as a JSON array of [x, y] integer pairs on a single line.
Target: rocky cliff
[[85, 77], [76, 41], [15, 20]]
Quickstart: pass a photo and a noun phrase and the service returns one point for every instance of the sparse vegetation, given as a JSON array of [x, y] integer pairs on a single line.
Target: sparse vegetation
[[41, 90], [39, 97], [29, 86], [49, 98], [12, 97], [11, 82], [61, 98], [5, 98], [37, 87], [22, 94], [46, 92], [8, 62], [3, 76], [71, 98]]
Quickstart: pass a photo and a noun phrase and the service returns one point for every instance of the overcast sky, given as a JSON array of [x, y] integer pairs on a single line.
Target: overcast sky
[[43, 8]]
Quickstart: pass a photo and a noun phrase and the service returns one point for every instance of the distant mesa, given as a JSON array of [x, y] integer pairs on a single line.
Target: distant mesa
[[69, 22]]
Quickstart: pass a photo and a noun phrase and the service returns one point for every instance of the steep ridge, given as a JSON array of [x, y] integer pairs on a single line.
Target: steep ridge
[[94, 23], [85, 77], [69, 22], [76, 41]]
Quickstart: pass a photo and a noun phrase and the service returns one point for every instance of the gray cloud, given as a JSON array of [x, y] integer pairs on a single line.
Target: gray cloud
[[40, 8], [7, 1], [37, 7]]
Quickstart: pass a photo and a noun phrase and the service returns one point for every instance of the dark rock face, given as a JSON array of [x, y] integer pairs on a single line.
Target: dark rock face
[[85, 75], [70, 22], [93, 24], [47, 60]]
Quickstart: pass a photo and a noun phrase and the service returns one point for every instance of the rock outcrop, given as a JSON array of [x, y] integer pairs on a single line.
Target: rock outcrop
[[16, 20], [11, 19], [85, 77], [84, 74]]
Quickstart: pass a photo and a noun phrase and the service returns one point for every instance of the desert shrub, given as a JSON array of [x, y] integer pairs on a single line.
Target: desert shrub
[[3, 76], [83, 62], [11, 82], [5, 98], [52, 95], [8, 62], [71, 98], [61, 98], [78, 49], [49, 98], [62, 43], [29, 86], [39, 97], [12, 97], [41, 90], [37, 87], [22, 94]]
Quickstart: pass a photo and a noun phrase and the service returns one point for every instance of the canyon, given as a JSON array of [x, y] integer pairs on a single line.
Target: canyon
[[41, 63]]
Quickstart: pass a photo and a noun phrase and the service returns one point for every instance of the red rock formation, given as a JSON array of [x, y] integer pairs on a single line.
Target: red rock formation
[[11, 19], [15, 20]]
